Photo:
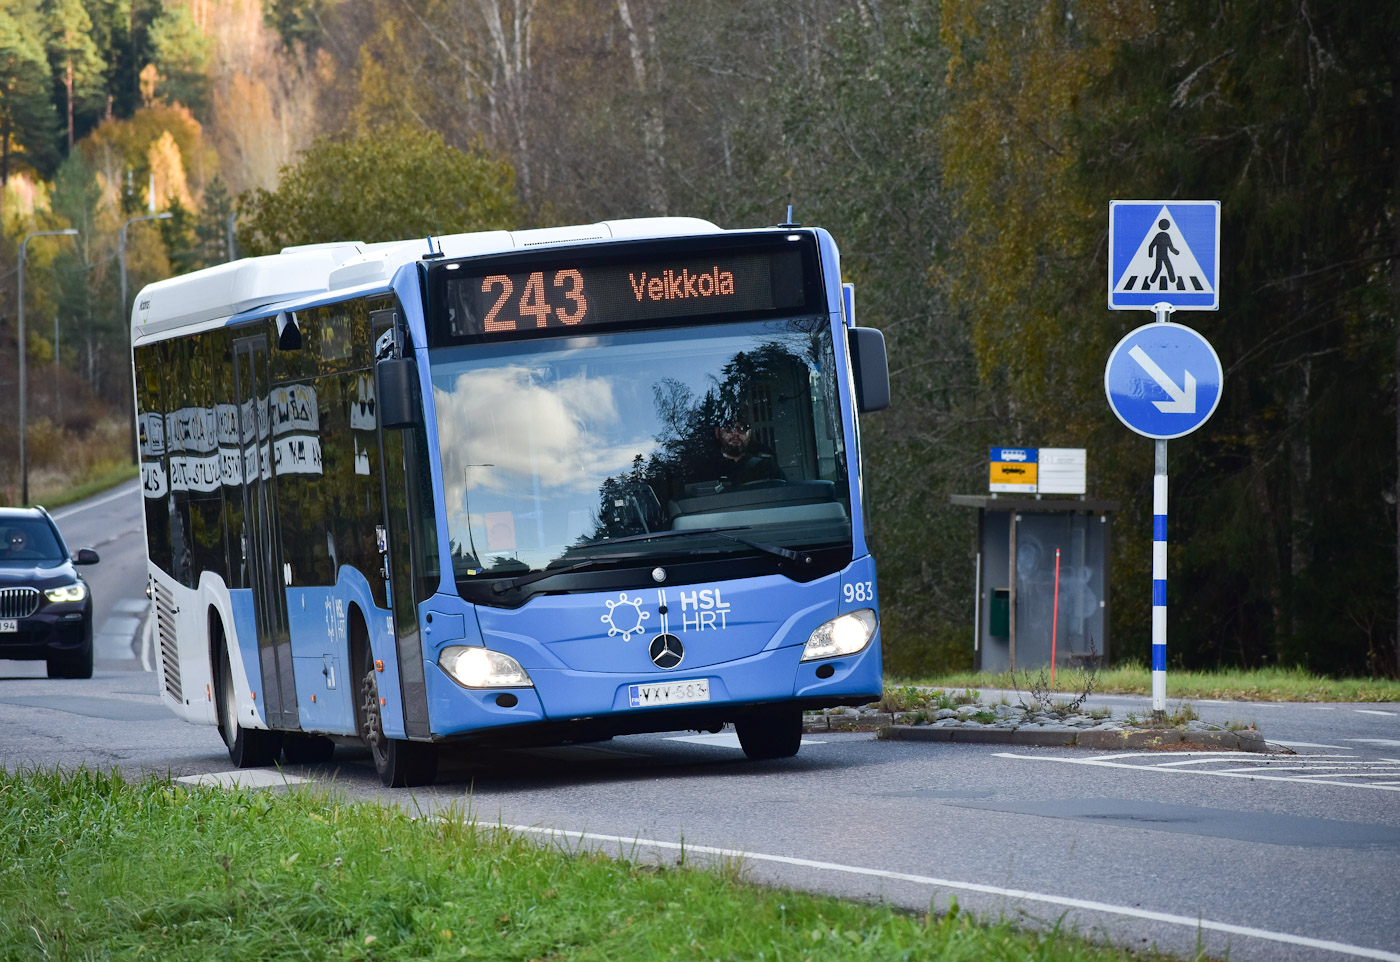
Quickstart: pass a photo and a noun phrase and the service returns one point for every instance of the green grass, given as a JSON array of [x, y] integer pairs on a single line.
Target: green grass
[[52, 498], [1265, 684], [93, 866]]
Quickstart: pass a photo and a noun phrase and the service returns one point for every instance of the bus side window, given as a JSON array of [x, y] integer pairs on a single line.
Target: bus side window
[[155, 475], [230, 458], [181, 451], [205, 502]]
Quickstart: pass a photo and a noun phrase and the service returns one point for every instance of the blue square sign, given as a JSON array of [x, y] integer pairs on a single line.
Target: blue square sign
[[1164, 252]]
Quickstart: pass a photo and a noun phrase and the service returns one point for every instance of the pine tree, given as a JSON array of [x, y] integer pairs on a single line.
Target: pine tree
[[73, 56], [211, 230], [28, 121], [180, 52]]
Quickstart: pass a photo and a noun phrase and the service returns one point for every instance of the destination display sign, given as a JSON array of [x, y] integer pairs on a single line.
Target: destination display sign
[[561, 295]]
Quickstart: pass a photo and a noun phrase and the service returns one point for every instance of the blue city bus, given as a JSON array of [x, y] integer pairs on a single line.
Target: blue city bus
[[509, 488]]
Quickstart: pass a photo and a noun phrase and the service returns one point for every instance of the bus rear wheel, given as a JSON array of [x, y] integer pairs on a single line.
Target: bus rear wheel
[[247, 747], [399, 763], [772, 733]]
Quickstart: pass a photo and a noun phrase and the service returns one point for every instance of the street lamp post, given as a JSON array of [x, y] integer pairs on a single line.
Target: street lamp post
[[23, 459], [125, 314]]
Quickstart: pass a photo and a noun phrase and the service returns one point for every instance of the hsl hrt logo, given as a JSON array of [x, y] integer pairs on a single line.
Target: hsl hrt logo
[[705, 607]]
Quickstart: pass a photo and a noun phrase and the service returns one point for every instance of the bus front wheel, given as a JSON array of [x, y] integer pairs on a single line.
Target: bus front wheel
[[399, 763], [247, 747], [774, 733]]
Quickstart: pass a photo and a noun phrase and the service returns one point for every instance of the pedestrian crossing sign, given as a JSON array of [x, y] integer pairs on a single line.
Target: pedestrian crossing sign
[[1164, 252]]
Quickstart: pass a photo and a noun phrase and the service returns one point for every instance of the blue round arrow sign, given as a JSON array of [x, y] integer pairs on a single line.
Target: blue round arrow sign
[[1163, 380]]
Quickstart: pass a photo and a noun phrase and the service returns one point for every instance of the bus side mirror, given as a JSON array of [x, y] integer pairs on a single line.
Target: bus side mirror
[[872, 371], [395, 378]]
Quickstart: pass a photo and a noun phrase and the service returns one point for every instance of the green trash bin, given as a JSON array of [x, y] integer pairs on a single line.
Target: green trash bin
[[1000, 622]]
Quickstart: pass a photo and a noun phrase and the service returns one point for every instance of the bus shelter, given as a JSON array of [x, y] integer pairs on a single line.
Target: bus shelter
[[1042, 581]]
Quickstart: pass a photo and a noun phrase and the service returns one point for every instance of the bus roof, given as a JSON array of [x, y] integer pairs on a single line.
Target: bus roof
[[214, 294]]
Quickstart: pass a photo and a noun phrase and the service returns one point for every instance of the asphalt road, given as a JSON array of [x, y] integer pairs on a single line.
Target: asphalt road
[[1259, 857]]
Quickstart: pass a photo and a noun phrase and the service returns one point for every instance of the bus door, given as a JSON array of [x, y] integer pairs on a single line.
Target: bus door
[[400, 451], [261, 534]]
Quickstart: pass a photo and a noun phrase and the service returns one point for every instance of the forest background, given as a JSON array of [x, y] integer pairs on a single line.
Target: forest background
[[962, 152]]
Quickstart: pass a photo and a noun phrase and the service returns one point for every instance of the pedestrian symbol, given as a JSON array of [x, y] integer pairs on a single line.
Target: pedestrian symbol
[[1163, 252], [1162, 243]]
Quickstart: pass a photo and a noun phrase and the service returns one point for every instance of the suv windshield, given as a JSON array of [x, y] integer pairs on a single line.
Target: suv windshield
[[554, 449], [27, 542]]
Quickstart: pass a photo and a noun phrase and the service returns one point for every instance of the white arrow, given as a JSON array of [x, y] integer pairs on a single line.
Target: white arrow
[[1182, 401]]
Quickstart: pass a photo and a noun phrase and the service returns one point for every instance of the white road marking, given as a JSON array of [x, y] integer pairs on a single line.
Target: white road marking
[[1388, 742], [1195, 924], [724, 739], [244, 778], [1334, 767], [1309, 745], [1370, 711], [1254, 774], [1197, 761]]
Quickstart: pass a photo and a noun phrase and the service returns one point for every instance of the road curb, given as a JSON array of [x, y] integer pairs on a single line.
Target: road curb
[[1105, 740], [982, 736]]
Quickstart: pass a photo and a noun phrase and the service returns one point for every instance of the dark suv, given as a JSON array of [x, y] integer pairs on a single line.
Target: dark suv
[[45, 605]]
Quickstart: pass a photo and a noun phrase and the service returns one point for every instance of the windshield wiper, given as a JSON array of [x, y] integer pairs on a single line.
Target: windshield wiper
[[500, 587], [772, 549], [653, 535], [763, 546]]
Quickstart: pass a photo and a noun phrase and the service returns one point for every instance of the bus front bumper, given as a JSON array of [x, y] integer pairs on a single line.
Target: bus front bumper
[[591, 705]]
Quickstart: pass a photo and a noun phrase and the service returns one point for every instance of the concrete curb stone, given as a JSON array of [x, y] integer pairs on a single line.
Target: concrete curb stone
[[1123, 740], [1098, 739]]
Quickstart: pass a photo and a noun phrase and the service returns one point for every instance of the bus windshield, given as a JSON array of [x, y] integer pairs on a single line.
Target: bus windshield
[[554, 449]]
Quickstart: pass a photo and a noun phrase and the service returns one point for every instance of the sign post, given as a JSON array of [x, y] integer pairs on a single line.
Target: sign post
[[1163, 380]]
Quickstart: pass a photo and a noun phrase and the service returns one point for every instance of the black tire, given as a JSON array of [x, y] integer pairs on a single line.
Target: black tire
[[775, 733], [399, 763], [247, 747], [299, 748], [76, 664]]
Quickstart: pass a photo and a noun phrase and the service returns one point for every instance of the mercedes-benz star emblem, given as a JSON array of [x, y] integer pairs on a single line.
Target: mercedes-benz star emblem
[[667, 651]]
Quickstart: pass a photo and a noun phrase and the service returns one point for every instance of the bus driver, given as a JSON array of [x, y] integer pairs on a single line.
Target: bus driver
[[742, 460]]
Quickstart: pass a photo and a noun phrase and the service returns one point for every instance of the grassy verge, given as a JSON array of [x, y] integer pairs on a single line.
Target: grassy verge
[[96, 867], [57, 497], [1265, 684], [67, 463]]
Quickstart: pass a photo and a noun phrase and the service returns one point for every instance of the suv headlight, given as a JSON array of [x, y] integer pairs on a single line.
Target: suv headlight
[[474, 667], [843, 635], [77, 591]]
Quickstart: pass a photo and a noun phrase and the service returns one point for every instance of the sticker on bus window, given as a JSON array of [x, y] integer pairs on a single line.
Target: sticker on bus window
[[500, 531]]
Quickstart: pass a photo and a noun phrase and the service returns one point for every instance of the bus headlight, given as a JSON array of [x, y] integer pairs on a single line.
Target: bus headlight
[[77, 591], [475, 667], [844, 635]]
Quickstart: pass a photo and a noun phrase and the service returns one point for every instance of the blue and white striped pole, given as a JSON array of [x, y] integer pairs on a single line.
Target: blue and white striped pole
[[1159, 583], [1159, 565]]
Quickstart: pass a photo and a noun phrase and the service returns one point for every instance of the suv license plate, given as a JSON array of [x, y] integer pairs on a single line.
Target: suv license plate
[[9, 624], [669, 693]]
